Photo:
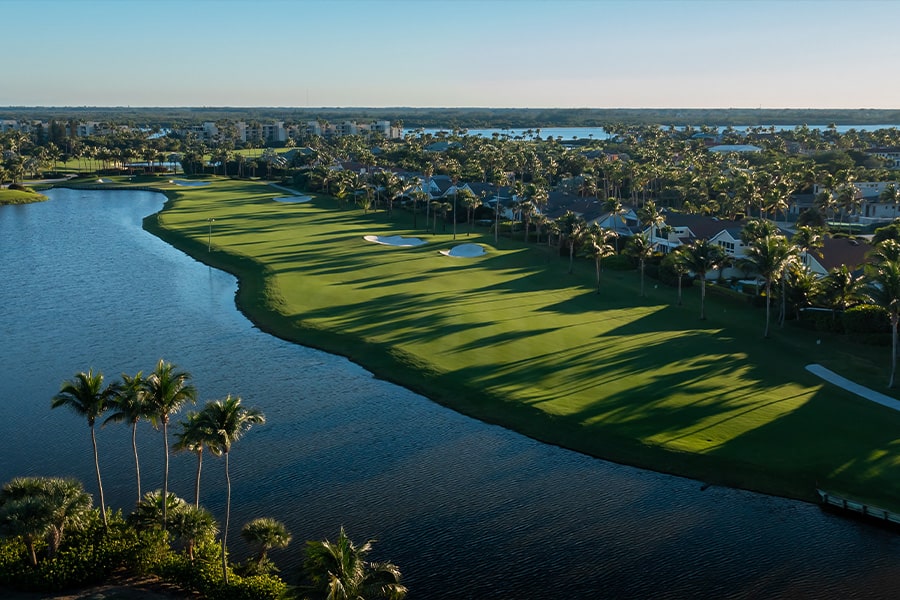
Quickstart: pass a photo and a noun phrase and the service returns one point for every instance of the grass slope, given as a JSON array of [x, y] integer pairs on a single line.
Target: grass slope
[[511, 338], [20, 197]]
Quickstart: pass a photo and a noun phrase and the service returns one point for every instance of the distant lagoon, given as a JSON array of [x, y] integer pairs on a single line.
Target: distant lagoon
[[599, 133]]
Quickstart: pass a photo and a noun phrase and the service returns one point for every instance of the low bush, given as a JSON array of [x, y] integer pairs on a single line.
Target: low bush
[[619, 262], [822, 320], [86, 557], [865, 319], [204, 576]]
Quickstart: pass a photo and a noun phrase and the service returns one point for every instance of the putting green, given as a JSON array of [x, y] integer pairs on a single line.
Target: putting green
[[518, 341]]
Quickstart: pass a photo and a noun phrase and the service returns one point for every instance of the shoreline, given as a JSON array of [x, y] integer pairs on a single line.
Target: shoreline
[[259, 299], [254, 299]]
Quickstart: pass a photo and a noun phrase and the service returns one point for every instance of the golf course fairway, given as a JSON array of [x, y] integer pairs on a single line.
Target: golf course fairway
[[510, 337]]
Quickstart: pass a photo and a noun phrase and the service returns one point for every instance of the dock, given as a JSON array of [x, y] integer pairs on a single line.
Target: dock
[[858, 509]]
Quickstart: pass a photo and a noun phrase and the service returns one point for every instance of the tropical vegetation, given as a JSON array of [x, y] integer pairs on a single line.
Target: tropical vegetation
[[512, 338], [52, 537]]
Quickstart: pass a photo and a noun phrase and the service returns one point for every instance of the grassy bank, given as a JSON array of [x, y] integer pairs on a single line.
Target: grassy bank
[[20, 197], [512, 339]]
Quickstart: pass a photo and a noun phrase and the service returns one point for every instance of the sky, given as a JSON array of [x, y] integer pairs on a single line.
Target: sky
[[448, 53]]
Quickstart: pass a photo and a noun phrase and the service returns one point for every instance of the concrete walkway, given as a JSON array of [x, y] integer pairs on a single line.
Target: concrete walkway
[[850, 386]]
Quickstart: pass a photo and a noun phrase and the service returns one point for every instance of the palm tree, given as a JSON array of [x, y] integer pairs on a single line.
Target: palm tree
[[616, 210], [841, 289], [471, 202], [194, 435], [571, 227], [148, 510], [807, 239], [130, 405], [167, 391], [228, 421], [598, 246], [757, 229], [702, 257], [191, 525], [265, 534], [339, 571], [86, 396], [679, 265], [640, 247], [769, 258], [35, 508], [884, 291]]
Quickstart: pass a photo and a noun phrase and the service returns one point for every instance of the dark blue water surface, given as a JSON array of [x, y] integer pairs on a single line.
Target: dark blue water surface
[[467, 510]]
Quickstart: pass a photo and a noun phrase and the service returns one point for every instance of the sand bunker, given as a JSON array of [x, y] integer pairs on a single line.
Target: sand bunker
[[394, 240], [188, 183], [293, 199], [101, 180], [464, 251]]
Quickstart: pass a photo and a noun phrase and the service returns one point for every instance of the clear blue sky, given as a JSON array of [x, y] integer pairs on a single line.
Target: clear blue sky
[[499, 53]]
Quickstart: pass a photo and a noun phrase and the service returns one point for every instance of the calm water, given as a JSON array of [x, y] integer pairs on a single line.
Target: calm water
[[467, 510], [599, 133]]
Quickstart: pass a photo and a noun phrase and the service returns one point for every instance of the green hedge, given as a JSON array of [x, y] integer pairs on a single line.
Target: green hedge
[[865, 319]]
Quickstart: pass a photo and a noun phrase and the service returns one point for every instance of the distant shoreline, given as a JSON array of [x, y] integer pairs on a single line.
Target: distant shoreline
[[472, 117]]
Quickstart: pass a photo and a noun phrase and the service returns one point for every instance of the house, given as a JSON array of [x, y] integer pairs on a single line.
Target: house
[[891, 156], [872, 209], [680, 229], [836, 252]]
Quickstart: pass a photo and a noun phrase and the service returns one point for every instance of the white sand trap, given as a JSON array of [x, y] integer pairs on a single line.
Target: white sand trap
[[394, 240], [464, 251], [851, 386], [292, 199], [101, 180], [188, 183]]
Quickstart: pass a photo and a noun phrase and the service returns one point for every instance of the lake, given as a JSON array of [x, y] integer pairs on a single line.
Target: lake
[[466, 509]]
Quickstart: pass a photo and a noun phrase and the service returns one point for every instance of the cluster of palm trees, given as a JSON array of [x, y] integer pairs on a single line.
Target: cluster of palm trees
[[157, 397], [38, 508]]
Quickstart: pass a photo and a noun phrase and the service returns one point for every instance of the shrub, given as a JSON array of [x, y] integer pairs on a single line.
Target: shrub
[[822, 320], [86, 557], [669, 276], [19, 187], [204, 576], [618, 262], [865, 319]]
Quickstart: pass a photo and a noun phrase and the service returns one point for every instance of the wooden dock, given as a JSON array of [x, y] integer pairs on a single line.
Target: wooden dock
[[858, 509]]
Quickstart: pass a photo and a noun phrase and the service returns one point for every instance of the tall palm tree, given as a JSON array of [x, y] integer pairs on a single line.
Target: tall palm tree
[[598, 246], [884, 290], [701, 257], [130, 405], [228, 421], [641, 248], [167, 391], [265, 534], [339, 571], [87, 397], [679, 265], [195, 434], [571, 227], [769, 258]]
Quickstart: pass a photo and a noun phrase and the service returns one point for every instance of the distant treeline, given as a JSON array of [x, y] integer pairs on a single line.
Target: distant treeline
[[469, 118]]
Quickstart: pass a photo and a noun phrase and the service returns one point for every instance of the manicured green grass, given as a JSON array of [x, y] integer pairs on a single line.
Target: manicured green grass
[[20, 197], [513, 339]]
